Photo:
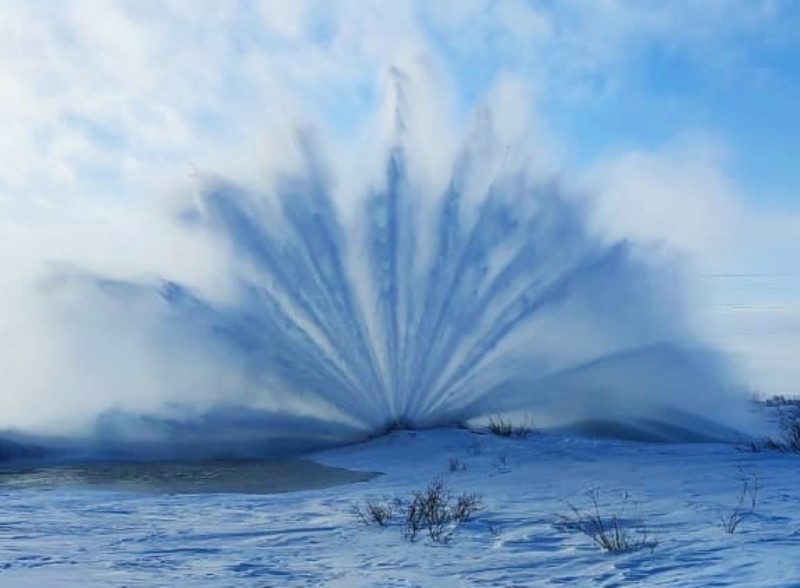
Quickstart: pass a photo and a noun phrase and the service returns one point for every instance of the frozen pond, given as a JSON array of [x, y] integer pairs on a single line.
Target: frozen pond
[[175, 477]]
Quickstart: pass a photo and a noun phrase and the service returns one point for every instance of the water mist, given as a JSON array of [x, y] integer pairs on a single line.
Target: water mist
[[410, 302]]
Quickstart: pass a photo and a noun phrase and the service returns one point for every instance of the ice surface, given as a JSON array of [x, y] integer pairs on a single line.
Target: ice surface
[[170, 477]]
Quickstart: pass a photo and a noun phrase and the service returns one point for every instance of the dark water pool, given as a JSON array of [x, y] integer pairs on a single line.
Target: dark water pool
[[240, 477]]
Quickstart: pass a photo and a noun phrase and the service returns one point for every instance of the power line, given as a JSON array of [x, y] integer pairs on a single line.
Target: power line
[[753, 275]]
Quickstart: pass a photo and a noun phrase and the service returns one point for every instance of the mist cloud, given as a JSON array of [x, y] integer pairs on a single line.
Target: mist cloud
[[117, 114]]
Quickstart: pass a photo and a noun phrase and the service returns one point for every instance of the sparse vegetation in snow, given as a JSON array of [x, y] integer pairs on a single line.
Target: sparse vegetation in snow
[[788, 441], [434, 511], [456, 465], [500, 426], [746, 502], [606, 525], [375, 513]]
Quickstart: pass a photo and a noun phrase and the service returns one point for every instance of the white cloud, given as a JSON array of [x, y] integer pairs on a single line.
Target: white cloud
[[742, 259], [680, 196], [121, 89]]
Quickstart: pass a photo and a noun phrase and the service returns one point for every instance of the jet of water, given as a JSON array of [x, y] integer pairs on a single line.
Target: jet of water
[[406, 306]]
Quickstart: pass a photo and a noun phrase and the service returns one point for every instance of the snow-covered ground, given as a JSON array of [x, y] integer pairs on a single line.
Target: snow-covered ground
[[312, 538]]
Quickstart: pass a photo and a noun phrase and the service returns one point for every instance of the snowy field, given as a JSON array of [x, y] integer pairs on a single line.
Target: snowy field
[[678, 493]]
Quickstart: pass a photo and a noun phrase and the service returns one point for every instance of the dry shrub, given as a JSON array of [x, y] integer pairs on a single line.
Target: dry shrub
[[608, 531]]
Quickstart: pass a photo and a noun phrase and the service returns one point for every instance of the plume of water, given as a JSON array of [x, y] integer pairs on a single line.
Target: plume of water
[[412, 303]]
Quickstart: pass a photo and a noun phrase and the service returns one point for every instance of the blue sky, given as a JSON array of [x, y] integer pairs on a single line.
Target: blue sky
[[751, 105], [741, 84]]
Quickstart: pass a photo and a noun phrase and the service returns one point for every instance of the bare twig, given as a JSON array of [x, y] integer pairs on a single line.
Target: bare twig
[[746, 501], [607, 531]]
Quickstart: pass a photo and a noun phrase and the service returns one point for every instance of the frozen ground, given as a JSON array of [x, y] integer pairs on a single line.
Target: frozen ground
[[312, 538]]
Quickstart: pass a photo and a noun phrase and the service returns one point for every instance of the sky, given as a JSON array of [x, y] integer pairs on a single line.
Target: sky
[[680, 117]]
